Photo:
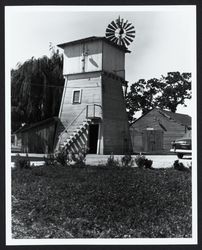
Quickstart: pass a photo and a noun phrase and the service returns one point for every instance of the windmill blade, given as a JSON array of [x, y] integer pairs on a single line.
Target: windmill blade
[[121, 32], [130, 32], [116, 40], [123, 42], [129, 24], [124, 25], [111, 27], [128, 39], [129, 35], [130, 28], [114, 24], [110, 36], [124, 39], [113, 39], [109, 33], [109, 30]]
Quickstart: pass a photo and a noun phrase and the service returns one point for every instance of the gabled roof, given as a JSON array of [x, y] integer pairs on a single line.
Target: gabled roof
[[179, 118], [94, 38], [37, 124]]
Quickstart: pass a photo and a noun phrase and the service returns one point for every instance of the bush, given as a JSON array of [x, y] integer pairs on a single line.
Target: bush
[[111, 162], [80, 158], [22, 162], [68, 158], [49, 160], [143, 162], [61, 157], [127, 161], [180, 166]]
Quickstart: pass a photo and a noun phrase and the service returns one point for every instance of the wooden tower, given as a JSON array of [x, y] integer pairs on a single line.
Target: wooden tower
[[93, 112]]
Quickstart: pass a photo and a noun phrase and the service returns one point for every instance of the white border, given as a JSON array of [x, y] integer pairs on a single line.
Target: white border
[[137, 241]]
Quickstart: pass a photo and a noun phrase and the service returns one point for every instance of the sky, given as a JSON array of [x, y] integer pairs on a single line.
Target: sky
[[164, 42]]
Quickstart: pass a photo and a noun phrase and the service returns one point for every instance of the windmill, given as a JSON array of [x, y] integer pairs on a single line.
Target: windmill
[[121, 32]]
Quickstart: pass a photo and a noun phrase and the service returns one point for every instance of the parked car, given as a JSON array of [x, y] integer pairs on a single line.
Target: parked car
[[182, 146]]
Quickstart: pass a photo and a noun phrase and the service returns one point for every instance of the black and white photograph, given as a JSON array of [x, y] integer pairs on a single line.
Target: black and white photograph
[[101, 125]]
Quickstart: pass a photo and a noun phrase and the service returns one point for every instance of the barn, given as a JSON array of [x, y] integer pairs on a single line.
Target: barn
[[154, 131]]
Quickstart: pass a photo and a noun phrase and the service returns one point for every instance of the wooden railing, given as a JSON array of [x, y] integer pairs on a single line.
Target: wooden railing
[[89, 115], [93, 111]]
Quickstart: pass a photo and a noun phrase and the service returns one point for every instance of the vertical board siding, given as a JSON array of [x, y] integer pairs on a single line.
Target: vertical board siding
[[39, 139], [115, 122], [113, 60]]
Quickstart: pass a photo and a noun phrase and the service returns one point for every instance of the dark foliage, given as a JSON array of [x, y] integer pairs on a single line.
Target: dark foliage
[[127, 161], [36, 89], [60, 202], [165, 93], [49, 160], [22, 162], [180, 166], [112, 163], [143, 162]]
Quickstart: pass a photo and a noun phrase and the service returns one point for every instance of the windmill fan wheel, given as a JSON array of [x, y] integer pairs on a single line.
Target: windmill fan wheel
[[121, 32]]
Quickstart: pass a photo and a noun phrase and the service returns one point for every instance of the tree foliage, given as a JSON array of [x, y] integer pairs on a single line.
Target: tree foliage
[[36, 89], [165, 93]]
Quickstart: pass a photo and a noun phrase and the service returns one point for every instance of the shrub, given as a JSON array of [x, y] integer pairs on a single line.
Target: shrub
[[140, 160], [80, 158], [61, 157], [148, 163], [22, 162], [127, 161], [111, 162], [180, 166], [143, 162], [49, 160]]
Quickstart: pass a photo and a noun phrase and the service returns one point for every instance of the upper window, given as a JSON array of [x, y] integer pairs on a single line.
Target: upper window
[[76, 96]]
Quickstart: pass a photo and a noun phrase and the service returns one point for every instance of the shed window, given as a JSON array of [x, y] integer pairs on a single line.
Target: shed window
[[76, 96]]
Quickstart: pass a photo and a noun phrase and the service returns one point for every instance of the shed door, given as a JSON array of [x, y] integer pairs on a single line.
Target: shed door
[[152, 140]]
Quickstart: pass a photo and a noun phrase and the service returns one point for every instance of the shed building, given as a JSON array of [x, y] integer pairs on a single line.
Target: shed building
[[38, 137], [154, 131]]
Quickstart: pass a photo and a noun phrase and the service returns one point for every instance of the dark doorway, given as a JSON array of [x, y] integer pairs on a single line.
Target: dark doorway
[[93, 137]]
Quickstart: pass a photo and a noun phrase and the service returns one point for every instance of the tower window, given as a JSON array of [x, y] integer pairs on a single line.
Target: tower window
[[76, 96]]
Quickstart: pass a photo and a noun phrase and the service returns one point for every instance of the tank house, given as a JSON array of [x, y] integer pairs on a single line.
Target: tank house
[[93, 111]]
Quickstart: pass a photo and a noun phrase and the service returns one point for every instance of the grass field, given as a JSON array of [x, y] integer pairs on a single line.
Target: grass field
[[98, 202]]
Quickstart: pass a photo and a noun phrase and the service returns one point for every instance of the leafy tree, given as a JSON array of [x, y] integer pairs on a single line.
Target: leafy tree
[[36, 89], [165, 93]]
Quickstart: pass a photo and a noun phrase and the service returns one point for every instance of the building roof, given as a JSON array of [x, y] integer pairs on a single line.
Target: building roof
[[37, 124], [94, 38], [183, 119]]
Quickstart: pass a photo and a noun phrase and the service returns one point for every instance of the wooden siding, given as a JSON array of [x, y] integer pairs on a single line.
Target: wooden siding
[[99, 56], [90, 94], [39, 139], [172, 130], [115, 122], [113, 60], [73, 57]]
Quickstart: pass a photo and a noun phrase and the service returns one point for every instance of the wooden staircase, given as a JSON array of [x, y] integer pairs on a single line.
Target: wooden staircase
[[74, 136]]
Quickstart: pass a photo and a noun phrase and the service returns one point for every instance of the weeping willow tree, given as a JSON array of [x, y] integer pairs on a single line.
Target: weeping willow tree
[[36, 89]]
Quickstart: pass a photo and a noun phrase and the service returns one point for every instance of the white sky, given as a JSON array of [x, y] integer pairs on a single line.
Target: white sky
[[165, 36]]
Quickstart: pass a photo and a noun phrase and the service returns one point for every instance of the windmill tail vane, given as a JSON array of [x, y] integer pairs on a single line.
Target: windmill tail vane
[[121, 32]]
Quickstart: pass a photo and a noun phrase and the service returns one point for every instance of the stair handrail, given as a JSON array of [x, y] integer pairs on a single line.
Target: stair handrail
[[68, 126]]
